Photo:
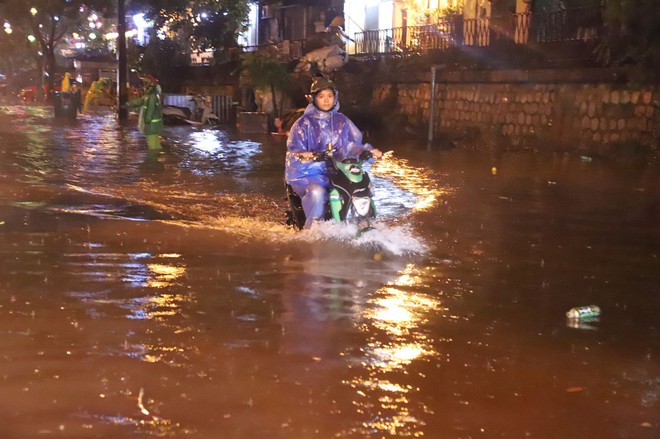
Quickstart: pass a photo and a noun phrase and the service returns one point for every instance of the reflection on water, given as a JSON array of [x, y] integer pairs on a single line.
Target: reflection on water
[[395, 327], [210, 152], [419, 182], [209, 318], [153, 426]]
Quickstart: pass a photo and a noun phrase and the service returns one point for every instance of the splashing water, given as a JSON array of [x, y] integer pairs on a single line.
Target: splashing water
[[393, 239], [397, 240]]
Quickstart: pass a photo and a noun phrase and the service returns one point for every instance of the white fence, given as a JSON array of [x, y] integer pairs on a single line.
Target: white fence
[[222, 105]]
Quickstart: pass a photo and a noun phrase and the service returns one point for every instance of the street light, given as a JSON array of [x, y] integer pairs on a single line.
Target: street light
[[122, 76]]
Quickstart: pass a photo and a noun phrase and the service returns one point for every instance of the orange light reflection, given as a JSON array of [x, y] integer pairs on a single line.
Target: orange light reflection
[[414, 180], [397, 339]]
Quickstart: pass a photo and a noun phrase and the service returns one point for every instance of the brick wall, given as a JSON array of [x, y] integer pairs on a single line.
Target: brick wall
[[591, 112]]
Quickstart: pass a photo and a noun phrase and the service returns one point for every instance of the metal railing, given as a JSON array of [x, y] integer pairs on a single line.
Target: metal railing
[[522, 28], [568, 25]]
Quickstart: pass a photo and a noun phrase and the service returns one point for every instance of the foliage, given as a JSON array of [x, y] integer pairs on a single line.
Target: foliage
[[160, 54], [265, 71], [42, 24], [15, 55], [203, 24], [632, 35]]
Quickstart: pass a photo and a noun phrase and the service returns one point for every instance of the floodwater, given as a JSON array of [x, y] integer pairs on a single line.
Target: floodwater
[[160, 295]]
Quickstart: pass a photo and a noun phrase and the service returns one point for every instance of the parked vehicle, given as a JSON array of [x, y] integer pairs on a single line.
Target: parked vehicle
[[176, 115], [204, 111], [325, 60], [200, 114], [29, 93]]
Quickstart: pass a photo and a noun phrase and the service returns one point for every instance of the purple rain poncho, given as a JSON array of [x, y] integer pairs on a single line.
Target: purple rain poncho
[[313, 131]]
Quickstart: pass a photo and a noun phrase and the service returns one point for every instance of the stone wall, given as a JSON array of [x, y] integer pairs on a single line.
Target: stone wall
[[583, 111]]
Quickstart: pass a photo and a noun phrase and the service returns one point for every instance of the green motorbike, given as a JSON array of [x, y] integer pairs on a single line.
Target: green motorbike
[[349, 200]]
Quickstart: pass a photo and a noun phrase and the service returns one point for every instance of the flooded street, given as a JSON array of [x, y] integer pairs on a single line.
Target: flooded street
[[159, 294]]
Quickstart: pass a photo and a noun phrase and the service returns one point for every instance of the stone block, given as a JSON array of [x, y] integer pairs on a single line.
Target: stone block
[[647, 97], [583, 107], [620, 124], [615, 97], [591, 111], [611, 124], [625, 97], [634, 97]]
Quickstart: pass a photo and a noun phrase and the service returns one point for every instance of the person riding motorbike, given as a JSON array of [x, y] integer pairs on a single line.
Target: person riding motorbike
[[321, 127]]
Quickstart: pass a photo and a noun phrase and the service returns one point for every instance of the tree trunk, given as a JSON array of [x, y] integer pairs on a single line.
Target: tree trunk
[[50, 69], [276, 112], [39, 95]]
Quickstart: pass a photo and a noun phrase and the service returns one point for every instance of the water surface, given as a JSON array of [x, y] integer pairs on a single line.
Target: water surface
[[159, 294]]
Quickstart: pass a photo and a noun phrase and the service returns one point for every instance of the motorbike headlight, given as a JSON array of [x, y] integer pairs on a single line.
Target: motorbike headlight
[[361, 205]]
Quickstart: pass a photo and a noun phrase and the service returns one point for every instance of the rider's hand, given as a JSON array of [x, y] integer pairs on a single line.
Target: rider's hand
[[306, 155], [377, 153]]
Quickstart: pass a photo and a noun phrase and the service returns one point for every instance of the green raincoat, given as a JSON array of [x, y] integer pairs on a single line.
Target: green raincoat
[[150, 120]]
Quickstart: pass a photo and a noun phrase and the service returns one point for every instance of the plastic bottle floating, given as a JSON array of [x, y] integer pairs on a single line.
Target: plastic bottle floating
[[583, 312]]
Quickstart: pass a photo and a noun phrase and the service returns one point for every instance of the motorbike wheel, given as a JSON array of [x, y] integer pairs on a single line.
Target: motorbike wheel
[[295, 216]]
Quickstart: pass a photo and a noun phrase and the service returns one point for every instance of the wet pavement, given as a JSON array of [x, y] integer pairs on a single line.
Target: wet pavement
[[159, 294]]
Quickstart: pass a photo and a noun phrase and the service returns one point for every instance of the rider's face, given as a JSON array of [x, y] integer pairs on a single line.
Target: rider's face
[[325, 99]]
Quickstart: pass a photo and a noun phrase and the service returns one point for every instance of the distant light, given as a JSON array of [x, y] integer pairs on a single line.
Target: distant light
[[92, 25], [111, 35], [204, 15], [33, 11], [92, 36], [31, 38], [139, 21]]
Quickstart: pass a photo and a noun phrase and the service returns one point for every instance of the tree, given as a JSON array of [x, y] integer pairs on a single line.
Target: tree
[[201, 25], [44, 24], [265, 71], [632, 36], [161, 53], [14, 52]]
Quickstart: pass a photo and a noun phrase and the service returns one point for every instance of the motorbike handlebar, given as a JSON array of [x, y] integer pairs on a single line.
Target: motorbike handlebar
[[319, 156], [365, 155]]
